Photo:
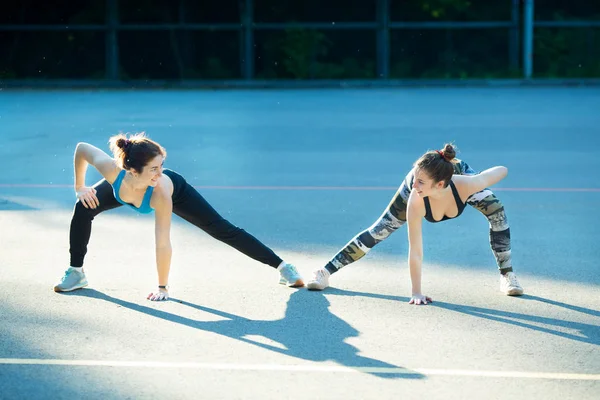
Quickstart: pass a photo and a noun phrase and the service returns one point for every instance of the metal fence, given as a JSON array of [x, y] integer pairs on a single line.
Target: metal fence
[[521, 33]]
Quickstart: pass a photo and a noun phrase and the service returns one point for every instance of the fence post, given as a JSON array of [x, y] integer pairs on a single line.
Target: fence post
[[514, 34], [112, 45], [247, 45], [383, 39], [528, 39]]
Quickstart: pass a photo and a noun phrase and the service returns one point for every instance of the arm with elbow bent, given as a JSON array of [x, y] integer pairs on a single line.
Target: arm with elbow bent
[[162, 230], [86, 154], [415, 249], [487, 178]]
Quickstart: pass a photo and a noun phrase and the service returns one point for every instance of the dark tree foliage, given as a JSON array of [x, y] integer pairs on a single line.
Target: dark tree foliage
[[293, 52]]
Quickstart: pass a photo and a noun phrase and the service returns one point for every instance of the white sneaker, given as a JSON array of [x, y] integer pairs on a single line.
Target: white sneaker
[[509, 284], [319, 281], [289, 276], [74, 278]]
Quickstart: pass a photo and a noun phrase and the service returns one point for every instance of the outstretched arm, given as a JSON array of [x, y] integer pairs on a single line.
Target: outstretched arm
[[414, 216], [163, 207]]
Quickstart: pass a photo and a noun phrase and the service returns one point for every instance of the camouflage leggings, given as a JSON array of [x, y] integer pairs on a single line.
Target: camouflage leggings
[[395, 216]]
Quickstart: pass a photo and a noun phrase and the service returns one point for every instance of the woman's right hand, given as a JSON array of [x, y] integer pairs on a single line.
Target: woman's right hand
[[87, 196], [418, 299]]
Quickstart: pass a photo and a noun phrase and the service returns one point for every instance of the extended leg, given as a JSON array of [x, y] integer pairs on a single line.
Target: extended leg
[[196, 210], [390, 220]]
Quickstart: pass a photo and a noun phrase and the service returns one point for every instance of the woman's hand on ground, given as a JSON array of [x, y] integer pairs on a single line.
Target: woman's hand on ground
[[159, 295], [418, 299]]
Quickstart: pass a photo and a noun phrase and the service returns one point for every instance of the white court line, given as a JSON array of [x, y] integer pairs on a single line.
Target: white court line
[[302, 368]]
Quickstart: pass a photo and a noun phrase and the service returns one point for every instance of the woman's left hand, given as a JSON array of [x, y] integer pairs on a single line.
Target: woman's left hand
[[160, 295]]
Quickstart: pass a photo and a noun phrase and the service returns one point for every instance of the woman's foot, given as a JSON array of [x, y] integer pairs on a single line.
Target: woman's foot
[[509, 285], [320, 280], [74, 278], [289, 276]]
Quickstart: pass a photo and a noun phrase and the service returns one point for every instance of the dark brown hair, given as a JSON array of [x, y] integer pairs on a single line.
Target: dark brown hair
[[136, 151], [438, 164]]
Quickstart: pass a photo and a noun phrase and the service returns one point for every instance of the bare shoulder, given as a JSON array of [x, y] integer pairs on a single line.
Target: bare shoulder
[[415, 207], [463, 185], [161, 196], [109, 169]]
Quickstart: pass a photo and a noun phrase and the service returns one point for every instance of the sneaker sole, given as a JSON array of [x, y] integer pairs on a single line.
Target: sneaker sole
[[514, 292], [298, 283], [81, 285], [314, 286]]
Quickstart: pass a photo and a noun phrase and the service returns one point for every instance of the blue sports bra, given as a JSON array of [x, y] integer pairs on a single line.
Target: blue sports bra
[[459, 204], [145, 207]]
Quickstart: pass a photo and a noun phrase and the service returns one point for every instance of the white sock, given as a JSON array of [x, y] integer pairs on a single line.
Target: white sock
[[283, 264]]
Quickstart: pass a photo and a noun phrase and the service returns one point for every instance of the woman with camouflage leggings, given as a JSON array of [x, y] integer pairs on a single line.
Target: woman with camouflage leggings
[[395, 216]]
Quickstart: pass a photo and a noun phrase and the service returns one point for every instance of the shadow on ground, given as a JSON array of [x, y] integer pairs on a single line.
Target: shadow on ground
[[589, 333], [316, 336]]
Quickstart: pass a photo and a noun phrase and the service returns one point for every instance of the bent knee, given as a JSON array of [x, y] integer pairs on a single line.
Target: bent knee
[[486, 202], [84, 212]]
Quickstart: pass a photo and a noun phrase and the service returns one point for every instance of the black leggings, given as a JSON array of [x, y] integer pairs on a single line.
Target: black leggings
[[188, 204]]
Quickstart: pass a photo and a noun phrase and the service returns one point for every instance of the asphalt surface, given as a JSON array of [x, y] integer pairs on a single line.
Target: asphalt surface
[[304, 171]]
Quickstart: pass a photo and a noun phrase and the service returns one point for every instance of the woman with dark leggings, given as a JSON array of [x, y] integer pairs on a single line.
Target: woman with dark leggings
[[135, 177], [437, 189]]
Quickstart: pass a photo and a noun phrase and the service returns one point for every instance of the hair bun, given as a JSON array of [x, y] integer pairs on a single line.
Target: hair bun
[[123, 143], [449, 152]]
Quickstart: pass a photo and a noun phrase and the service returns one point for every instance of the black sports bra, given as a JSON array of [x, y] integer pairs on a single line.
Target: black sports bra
[[459, 204]]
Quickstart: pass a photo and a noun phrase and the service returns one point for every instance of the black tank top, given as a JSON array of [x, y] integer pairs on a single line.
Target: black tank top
[[459, 204]]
